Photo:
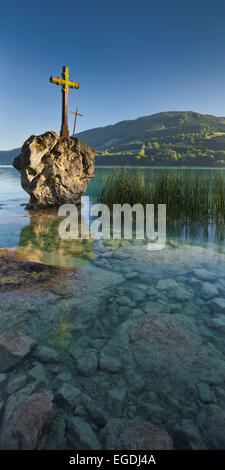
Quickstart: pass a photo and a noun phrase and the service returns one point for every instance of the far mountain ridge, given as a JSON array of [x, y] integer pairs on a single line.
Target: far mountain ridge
[[167, 138]]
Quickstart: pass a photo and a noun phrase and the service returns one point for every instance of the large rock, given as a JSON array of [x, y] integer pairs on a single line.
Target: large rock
[[135, 435], [54, 170], [13, 347], [23, 428]]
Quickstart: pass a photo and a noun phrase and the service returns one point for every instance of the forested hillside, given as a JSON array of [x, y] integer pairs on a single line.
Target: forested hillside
[[169, 138]]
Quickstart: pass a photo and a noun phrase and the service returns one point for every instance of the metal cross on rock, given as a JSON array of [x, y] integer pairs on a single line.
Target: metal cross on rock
[[66, 84]]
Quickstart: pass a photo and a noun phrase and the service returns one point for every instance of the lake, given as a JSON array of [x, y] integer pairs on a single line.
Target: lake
[[136, 336]]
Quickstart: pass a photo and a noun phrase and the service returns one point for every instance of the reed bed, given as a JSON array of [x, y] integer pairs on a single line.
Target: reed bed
[[193, 203]]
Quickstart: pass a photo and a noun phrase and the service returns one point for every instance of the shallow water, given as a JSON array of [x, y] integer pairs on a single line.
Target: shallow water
[[139, 333]]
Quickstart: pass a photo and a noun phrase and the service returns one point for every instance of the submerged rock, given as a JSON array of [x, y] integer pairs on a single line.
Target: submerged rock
[[14, 346], [116, 399], [211, 423], [204, 275], [187, 436], [87, 364], [23, 428], [209, 291], [218, 305], [69, 395], [16, 382], [46, 354], [82, 433], [121, 434], [54, 170], [109, 364]]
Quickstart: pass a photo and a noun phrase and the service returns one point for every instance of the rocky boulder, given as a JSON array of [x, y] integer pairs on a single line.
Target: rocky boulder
[[14, 346], [23, 426], [54, 170], [122, 434]]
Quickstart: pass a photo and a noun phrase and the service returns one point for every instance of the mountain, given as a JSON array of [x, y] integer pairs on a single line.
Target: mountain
[[7, 156], [168, 138], [172, 138]]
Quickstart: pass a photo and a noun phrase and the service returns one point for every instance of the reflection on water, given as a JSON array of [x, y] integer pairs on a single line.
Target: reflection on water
[[40, 242], [131, 334]]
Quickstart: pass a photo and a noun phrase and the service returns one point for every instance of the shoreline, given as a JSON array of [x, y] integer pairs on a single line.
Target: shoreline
[[151, 166]]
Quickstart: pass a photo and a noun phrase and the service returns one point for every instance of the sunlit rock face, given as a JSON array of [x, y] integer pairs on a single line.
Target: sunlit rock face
[[54, 170]]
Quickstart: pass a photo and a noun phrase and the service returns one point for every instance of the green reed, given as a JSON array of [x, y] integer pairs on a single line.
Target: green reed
[[193, 202]]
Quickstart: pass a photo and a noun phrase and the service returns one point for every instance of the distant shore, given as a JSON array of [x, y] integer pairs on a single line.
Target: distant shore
[[171, 167]]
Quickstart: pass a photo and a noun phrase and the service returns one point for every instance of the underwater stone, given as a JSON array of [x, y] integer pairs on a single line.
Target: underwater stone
[[87, 364], [123, 300], [69, 395], [23, 428], [80, 411], [166, 284], [38, 373], [14, 346], [209, 291], [46, 354], [55, 437], [116, 398], [175, 308], [211, 423], [131, 275], [217, 305], [136, 295], [219, 323], [109, 364], [96, 414], [3, 378], [179, 293], [204, 393], [64, 376], [155, 307], [188, 437], [16, 382], [82, 431], [204, 275], [54, 170], [122, 434]]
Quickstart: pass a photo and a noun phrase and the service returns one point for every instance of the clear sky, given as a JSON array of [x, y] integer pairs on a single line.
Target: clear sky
[[131, 58]]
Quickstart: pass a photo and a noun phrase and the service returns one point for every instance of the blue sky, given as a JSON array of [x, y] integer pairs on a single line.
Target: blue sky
[[131, 58]]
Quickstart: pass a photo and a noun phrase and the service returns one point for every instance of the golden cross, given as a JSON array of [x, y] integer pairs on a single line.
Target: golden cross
[[66, 84], [75, 120]]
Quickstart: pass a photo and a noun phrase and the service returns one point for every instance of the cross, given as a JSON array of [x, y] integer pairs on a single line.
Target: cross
[[75, 120], [66, 84]]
